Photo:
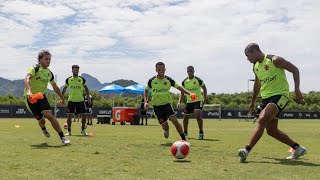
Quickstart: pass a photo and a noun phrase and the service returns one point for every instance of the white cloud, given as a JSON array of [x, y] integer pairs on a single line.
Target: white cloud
[[124, 39]]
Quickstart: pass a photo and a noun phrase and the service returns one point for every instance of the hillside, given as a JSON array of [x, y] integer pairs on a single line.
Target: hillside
[[16, 87]]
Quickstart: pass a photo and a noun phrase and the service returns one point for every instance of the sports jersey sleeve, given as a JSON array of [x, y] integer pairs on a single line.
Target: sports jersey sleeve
[[148, 87], [52, 81], [173, 83], [83, 80], [31, 71], [66, 82], [201, 83]]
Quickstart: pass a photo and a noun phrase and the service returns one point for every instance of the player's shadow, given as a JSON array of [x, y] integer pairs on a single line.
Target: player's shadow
[[182, 161], [80, 135], [205, 139], [169, 144], [290, 162], [45, 146]]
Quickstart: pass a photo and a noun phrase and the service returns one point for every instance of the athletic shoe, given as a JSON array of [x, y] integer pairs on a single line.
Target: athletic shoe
[[65, 141], [68, 133], [201, 135], [46, 133], [166, 134], [84, 132], [300, 151], [243, 154]]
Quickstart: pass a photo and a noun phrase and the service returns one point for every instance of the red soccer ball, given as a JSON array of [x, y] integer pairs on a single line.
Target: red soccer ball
[[180, 149]]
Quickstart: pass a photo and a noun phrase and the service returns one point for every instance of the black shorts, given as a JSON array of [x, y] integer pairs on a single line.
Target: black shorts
[[76, 108], [37, 108], [280, 101], [143, 112], [190, 107], [163, 112], [88, 110]]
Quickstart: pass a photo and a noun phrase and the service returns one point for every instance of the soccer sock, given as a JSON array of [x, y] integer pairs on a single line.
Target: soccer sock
[[295, 146], [43, 128], [248, 148], [185, 132], [69, 129], [200, 132], [83, 128], [61, 134], [183, 137]]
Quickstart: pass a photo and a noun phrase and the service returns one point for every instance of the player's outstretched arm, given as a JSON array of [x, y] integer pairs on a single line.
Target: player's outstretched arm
[[183, 90], [204, 88], [180, 99], [27, 85], [280, 62], [256, 90], [58, 92], [145, 97]]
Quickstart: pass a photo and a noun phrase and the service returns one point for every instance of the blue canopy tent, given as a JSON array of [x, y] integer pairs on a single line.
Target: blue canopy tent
[[112, 89], [136, 88]]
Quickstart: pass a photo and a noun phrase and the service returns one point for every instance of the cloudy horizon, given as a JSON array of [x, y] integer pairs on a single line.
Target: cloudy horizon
[[123, 39]]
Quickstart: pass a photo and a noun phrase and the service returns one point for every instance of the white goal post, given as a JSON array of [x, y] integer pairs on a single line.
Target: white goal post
[[210, 107]]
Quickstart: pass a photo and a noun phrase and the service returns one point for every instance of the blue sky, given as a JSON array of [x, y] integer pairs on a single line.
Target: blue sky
[[123, 39]]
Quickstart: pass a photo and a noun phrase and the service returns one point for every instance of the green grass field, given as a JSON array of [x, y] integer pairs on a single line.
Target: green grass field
[[141, 152]]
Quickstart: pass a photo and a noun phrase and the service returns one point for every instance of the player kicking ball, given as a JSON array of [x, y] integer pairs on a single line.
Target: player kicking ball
[[271, 82], [159, 86]]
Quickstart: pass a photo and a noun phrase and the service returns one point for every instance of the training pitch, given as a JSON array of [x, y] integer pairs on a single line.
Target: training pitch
[[142, 152]]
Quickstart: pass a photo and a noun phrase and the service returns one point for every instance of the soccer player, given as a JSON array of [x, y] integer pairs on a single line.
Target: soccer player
[[159, 86], [271, 82], [88, 101], [143, 112], [76, 100], [36, 81], [193, 84]]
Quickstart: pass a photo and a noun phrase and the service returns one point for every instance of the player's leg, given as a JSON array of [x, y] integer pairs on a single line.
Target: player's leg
[[266, 115], [70, 113], [178, 126], [187, 112], [89, 117], [159, 111], [273, 131], [165, 127], [198, 114], [81, 109], [186, 124], [56, 126], [145, 116], [36, 109], [141, 120]]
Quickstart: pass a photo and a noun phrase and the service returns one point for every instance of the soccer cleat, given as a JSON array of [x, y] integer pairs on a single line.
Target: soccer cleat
[[68, 133], [300, 151], [186, 133], [166, 134], [243, 154], [84, 132], [65, 141], [46, 133], [201, 135]]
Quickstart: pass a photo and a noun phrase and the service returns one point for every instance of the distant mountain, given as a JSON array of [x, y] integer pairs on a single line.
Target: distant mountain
[[16, 87], [11, 87]]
